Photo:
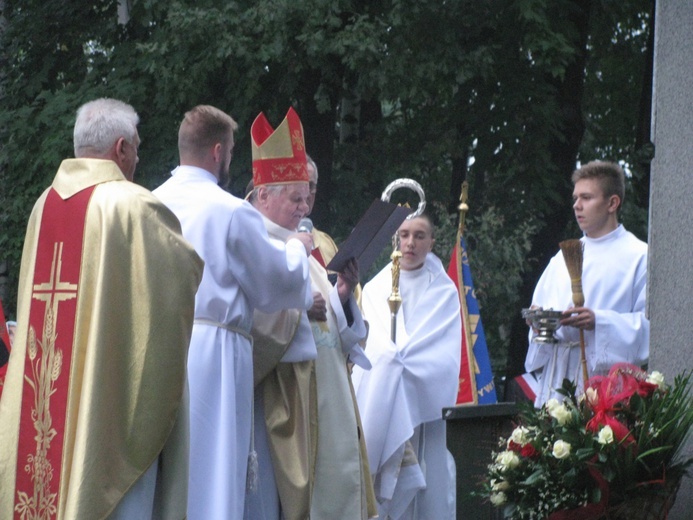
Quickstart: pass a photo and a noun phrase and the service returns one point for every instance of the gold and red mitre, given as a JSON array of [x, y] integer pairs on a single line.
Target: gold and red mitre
[[279, 156]]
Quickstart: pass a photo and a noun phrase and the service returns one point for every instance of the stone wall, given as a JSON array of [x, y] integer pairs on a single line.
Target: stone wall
[[670, 271]]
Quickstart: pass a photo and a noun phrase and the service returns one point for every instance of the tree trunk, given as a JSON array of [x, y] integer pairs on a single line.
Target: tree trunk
[[319, 133], [644, 148], [3, 262], [371, 113], [563, 150]]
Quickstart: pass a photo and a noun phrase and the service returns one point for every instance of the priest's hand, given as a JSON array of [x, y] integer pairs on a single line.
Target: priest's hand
[[318, 312], [347, 280], [579, 317], [305, 238]]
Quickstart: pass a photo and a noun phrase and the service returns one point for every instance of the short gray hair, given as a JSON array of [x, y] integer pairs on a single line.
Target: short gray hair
[[272, 189], [100, 123], [310, 161]]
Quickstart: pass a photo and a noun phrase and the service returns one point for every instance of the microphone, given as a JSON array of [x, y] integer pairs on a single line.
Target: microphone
[[305, 225]]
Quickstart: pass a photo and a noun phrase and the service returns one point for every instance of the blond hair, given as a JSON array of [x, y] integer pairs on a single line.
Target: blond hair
[[202, 127], [609, 174]]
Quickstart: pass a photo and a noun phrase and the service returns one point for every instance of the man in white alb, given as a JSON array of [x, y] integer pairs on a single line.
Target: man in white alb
[[402, 397], [614, 275], [243, 271]]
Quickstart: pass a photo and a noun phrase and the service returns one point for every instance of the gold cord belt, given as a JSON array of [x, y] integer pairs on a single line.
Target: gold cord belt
[[230, 328]]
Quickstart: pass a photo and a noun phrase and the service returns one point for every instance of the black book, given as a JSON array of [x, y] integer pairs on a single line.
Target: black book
[[372, 233]]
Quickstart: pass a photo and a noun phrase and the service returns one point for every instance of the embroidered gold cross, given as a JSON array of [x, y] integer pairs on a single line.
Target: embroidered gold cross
[[55, 290]]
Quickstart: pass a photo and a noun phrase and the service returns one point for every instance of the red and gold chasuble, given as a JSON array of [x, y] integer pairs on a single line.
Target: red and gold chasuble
[[55, 292]]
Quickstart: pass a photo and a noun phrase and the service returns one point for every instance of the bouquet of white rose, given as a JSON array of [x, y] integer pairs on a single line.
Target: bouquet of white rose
[[588, 456]]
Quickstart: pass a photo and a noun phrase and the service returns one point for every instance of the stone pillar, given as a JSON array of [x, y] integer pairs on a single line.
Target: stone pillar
[[670, 270]]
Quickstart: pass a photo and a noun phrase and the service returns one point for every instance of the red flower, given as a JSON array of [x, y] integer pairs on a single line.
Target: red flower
[[529, 452], [513, 446]]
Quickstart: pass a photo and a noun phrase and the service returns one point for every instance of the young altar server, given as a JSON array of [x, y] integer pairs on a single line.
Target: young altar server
[[614, 275], [402, 397]]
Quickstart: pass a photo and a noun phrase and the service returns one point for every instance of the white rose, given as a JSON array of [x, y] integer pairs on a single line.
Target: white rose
[[498, 499], [606, 435], [656, 378], [551, 404], [520, 435], [561, 449], [507, 460], [561, 414], [499, 485], [592, 396]]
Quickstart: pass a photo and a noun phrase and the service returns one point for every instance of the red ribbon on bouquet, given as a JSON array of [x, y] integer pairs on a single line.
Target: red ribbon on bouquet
[[610, 393]]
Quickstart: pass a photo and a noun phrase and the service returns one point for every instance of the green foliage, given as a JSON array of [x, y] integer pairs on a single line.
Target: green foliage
[[499, 258], [435, 91]]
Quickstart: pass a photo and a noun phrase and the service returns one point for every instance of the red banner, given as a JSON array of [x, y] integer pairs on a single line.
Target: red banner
[[476, 385]]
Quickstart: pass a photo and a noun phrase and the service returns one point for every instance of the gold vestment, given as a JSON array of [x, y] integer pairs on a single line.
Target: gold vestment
[[126, 393]]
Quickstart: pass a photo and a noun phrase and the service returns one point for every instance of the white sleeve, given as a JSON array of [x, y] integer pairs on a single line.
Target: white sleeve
[[350, 335], [274, 276]]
